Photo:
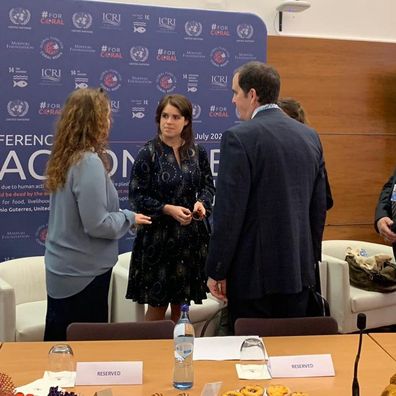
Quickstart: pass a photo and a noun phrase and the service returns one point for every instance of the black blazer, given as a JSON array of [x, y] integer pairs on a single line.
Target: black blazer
[[384, 204], [270, 207]]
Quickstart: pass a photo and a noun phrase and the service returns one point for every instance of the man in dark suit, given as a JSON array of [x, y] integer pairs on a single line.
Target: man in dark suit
[[270, 205], [385, 221]]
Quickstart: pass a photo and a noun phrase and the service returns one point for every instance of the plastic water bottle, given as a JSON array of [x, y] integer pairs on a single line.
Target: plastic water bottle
[[183, 336]]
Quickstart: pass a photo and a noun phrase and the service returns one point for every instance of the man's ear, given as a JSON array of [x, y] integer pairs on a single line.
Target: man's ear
[[253, 94]]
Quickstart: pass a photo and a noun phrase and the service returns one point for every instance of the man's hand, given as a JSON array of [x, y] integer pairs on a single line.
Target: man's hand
[[218, 289], [383, 225]]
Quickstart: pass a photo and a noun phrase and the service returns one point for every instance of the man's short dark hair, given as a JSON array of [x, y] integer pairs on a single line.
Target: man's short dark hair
[[261, 77]]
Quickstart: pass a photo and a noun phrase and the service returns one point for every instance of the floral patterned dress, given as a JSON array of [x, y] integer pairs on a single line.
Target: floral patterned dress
[[168, 260]]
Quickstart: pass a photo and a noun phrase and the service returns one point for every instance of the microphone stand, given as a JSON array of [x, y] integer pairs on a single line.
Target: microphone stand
[[361, 324]]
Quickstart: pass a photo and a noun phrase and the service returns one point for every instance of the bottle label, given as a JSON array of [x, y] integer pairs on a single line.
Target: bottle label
[[183, 347]]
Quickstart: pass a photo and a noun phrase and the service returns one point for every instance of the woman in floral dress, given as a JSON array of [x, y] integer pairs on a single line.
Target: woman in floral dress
[[171, 181]]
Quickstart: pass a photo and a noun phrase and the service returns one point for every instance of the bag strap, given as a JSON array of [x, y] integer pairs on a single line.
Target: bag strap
[[317, 279]]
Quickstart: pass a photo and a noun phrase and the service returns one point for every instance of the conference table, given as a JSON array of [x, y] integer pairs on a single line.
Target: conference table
[[387, 341], [25, 362]]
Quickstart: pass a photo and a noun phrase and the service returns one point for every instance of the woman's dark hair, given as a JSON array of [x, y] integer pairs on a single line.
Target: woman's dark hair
[[185, 107], [293, 109]]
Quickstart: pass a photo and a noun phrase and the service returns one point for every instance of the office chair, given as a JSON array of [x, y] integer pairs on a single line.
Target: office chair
[[158, 329], [286, 326]]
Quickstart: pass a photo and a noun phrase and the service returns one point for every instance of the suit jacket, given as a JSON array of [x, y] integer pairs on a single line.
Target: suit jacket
[[270, 207], [384, 205]]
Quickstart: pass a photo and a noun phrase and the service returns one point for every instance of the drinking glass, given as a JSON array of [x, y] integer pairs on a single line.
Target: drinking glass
[[253, 357], [61, 364]]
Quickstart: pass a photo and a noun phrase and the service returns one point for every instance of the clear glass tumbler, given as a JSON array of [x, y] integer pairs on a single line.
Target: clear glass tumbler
[[61, 364], [253, 357]]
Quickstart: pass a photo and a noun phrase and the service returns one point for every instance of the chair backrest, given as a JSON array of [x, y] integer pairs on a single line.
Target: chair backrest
[[121, 308], [158, 329], [337, 248], [124, 260], [27, 277], [286, 326]]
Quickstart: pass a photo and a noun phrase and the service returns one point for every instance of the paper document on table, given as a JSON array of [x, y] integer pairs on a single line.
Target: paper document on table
[[220, 348]]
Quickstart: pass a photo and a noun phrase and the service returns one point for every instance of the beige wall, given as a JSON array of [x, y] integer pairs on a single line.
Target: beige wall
[[344, 19]]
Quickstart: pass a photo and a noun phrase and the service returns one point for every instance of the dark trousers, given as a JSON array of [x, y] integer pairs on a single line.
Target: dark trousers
[[270, 306], [89, 305]]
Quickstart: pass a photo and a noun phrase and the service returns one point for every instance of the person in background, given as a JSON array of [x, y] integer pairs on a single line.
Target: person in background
[[385, 220], [171, 181], [84, 219], [294, 109], [270, 205]]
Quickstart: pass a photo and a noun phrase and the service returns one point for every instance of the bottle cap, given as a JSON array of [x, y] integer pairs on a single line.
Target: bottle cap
[[185, 307]]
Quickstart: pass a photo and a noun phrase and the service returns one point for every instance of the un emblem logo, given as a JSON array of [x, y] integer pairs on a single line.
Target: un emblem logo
[[82, 20], [19, 16], [139, 54], [193, 28], [17, 108], [245, 31]]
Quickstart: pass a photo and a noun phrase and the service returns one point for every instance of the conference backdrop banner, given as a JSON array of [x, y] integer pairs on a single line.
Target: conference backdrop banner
[[136, 54]]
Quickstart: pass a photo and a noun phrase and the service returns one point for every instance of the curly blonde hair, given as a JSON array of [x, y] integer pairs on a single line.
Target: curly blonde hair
[[83, 126]]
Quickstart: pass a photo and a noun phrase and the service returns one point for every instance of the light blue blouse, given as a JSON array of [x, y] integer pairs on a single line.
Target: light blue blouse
[[84, 225]]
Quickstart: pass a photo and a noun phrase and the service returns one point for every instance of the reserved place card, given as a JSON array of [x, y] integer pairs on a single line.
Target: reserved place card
[[301, 366], [109, 373]]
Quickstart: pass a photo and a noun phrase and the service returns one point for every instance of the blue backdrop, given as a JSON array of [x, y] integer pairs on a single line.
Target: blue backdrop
[[137, 54]]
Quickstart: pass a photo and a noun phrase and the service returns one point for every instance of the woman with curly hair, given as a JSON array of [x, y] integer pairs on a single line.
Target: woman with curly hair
[[85, 220]]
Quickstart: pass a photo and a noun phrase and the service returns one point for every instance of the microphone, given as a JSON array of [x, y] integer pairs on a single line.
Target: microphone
[[361, 325]]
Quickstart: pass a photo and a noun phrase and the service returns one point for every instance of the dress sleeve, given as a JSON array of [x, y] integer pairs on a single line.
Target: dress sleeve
[[207, 188], [140, 184], [90, 187]]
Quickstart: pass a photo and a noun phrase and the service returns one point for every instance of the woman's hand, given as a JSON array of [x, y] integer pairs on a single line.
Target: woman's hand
[[179, 213], [142, 219], [199, 210]]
